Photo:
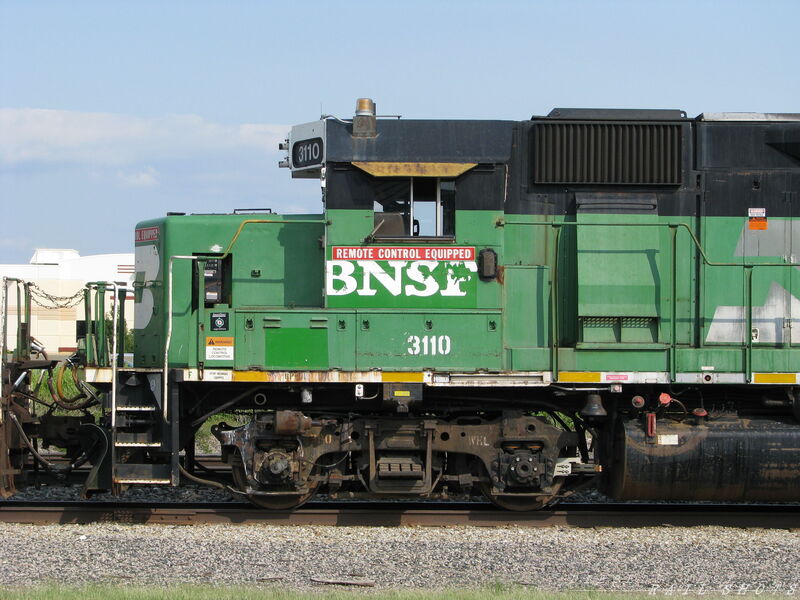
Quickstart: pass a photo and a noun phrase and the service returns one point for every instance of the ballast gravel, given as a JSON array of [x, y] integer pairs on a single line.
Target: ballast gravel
[[661, 558], [191, 493], [151, 494]]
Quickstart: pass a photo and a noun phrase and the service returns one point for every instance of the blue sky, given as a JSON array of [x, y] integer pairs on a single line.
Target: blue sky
[[112, 112]]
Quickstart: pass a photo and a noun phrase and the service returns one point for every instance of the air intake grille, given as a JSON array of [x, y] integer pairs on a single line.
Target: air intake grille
[[607, 153]]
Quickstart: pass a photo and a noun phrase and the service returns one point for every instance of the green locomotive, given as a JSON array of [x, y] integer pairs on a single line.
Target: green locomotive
[[510, 308]]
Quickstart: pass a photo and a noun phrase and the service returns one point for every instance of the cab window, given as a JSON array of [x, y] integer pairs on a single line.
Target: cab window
[[414, 207]]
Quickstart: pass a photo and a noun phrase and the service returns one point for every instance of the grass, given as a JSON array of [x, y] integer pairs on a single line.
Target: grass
[[39, 389], [205, 442], [270, 592]]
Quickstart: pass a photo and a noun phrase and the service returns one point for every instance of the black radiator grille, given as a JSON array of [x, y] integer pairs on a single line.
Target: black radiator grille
[[607, 153]]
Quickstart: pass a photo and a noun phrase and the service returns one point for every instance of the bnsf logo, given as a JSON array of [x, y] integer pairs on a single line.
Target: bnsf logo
[[398, 277]]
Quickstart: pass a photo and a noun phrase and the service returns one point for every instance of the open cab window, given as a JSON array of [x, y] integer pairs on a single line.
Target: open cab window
[[414, 207]]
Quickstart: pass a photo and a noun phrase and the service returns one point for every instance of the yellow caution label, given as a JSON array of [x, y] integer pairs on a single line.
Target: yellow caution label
[[579, 377], [250, 376], [775, 378], [401, 377], [402, 393], [219, 348]]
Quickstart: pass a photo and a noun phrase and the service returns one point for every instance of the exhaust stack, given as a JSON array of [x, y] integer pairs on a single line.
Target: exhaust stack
[[365, 123]]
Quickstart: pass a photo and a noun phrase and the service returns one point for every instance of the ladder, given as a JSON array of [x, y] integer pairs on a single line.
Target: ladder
[[144, 438]]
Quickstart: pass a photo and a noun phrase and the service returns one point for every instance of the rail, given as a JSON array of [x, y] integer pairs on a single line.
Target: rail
[[673, 227], [406, 514]]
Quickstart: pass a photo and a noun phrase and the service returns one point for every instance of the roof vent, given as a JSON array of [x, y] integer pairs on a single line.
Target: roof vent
[[607, 153]]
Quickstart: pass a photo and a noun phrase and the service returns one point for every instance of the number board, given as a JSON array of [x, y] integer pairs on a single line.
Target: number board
[[307, 153]]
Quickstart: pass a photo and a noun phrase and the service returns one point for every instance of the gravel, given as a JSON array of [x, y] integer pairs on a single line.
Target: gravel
[[666, 559], [156, 494], [191, 493], [699, 558]]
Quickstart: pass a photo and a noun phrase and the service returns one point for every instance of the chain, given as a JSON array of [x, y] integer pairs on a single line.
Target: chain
[[42, 298]]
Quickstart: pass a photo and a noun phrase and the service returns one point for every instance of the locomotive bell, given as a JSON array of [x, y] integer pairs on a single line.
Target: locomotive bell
[[593, 409]]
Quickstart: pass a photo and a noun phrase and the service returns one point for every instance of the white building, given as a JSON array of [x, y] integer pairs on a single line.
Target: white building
[[62, 272]]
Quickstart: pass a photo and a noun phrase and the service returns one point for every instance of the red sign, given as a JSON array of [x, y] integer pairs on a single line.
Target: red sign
[[439, 253], [148, 234]]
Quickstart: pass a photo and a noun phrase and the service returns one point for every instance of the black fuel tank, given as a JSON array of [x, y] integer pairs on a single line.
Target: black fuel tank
[[724, 459]]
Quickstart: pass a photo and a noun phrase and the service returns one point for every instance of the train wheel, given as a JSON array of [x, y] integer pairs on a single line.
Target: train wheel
[[288, 502]]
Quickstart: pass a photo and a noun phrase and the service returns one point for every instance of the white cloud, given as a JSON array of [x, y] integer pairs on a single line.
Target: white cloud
[[11, 242], [44, 135], [144, 178]]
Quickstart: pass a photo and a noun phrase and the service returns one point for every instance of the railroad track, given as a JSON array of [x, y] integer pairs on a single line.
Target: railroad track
[[389, 514]]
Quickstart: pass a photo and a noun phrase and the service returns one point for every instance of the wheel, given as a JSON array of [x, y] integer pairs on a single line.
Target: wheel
[[288, 502]]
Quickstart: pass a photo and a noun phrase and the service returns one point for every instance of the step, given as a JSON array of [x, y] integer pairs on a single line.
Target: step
[[135, 402], [136, 440], [136, 421], [142, 473], [143, 408]]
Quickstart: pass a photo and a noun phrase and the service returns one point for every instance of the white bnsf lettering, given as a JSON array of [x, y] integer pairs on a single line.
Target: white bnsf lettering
[[421, 272], [398, 277], [392, 282], [428, 345]]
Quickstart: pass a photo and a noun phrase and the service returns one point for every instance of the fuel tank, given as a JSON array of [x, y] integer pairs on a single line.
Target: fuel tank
[[727, 458]]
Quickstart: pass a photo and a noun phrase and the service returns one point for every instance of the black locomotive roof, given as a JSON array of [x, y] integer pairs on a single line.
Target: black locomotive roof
[[615, 114], [422, 141], [741, 140]]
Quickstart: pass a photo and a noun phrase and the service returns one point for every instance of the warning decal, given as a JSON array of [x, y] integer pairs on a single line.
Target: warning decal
[[757, 218], [219, 348]]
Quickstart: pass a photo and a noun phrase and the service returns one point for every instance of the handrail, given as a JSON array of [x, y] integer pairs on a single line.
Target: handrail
[[199, 360], [748, 341], [164, 390], [101, 287], [96, 342], [503, 223], [87, 317], [3, 300], [255, 221], [554, 333], [4, 319], [4, 323], [25, 341], [4, 345]]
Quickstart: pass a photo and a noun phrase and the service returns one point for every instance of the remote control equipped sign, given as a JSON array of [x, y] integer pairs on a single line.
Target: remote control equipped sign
[[409, 277]]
